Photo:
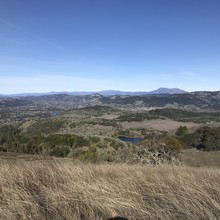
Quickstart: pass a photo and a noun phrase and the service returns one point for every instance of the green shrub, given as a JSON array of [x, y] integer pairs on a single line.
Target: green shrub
[[60, 151], [91, 155], [181, 131], [173, 143]]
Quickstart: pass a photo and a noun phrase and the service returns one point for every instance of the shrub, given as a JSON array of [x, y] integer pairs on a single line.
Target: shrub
[[91, 155], [181, 131], [60, 151], [173, 143]]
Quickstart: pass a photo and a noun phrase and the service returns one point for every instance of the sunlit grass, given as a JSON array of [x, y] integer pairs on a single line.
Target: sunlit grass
[[65, 190]]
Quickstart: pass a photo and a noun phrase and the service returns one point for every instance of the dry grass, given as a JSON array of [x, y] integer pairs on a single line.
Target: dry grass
[[64, 190], [159, 124], [198, 158]]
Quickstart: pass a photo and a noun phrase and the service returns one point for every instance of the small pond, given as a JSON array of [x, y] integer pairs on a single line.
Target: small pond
[[55, 114], [132, 140]]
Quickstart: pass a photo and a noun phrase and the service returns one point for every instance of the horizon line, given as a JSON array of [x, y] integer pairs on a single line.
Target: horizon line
[[107, 90]]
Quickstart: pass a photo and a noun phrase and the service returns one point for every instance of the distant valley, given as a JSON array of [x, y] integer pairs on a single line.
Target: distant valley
[[94, 127]]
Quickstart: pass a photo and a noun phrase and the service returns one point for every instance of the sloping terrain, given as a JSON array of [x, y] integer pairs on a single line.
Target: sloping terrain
[[190, 101], [64, 190]]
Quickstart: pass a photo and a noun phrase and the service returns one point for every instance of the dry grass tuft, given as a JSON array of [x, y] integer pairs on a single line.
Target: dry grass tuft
[[64, 190]]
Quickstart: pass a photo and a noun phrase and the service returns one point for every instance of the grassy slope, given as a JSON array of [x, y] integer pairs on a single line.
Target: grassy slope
[[197, 158], [64, 190]]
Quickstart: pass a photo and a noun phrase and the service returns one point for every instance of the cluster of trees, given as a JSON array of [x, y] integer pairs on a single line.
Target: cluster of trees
[[45, 126], [13, 140], [103, 122], [175, 114], [205, 138]]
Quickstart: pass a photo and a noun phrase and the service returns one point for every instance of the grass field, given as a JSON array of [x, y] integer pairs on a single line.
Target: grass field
[[61, 189], [197, 158]]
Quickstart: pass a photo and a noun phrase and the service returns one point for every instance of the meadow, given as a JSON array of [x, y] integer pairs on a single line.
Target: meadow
[[64, 189]]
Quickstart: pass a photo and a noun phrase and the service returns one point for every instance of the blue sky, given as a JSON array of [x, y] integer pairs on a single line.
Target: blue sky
[[92, 45]]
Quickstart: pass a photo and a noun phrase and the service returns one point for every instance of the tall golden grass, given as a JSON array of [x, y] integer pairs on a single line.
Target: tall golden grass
[[65, 190]]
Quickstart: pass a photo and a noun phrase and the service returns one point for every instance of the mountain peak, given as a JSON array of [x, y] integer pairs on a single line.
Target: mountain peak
[[163, 90]]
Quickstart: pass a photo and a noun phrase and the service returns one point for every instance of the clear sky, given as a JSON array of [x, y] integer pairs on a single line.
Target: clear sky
[[92, 45]]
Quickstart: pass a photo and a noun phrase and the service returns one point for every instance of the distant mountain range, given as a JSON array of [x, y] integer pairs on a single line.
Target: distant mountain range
[[105, 93], [192, 101]]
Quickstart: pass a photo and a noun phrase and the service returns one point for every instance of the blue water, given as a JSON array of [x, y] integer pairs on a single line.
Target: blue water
[[130, 140], [55, 113]]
